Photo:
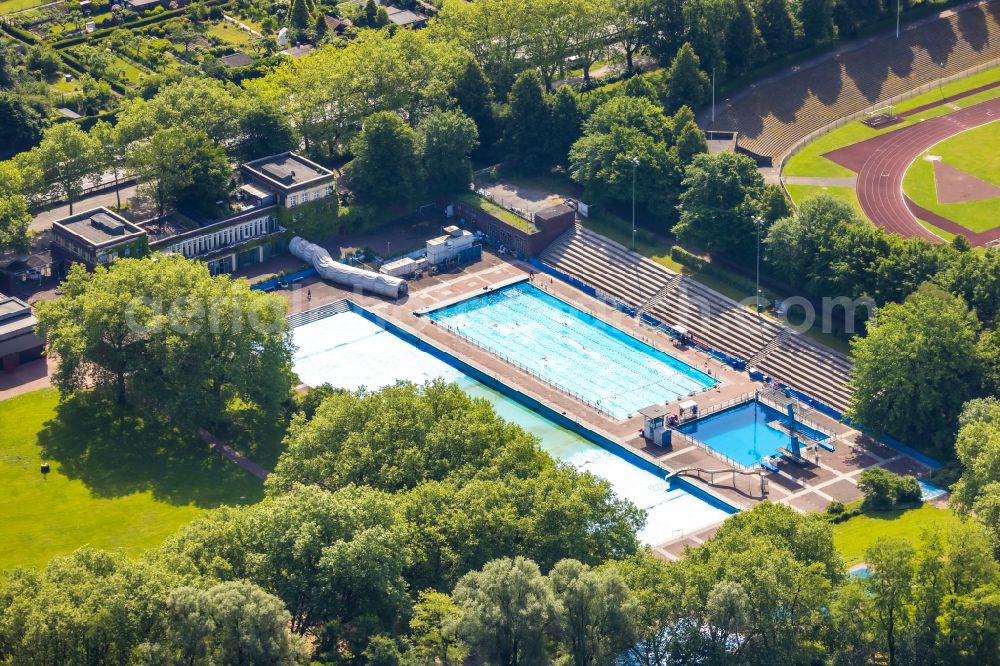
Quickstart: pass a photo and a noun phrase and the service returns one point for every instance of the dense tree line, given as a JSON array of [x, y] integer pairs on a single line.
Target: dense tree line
[[356, 570], [730, 36]]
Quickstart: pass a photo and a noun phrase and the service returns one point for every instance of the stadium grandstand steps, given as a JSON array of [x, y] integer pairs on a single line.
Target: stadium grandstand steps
[[672, 284], [773, 115], [713, 319]]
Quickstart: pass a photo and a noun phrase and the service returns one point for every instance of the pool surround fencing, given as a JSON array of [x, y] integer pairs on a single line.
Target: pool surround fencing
[[570, 349], [559, 418]]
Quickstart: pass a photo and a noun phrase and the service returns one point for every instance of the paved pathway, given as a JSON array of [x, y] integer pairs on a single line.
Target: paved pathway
[[241, 25], [43, 220], [232, 454]]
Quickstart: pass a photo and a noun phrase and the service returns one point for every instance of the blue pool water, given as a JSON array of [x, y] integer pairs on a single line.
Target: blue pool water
[[349, 351], [742, 432], [929, 492], [572, 350]]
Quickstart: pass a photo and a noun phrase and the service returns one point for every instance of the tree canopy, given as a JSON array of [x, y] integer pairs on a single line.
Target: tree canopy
[[916, 368], [161, 332]]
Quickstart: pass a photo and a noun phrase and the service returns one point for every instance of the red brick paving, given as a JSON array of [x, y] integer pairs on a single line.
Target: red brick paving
[[843, 490]]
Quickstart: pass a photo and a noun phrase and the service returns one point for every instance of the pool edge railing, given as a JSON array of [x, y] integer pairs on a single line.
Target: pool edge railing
[[761, 397], [520, 366], [740, 467]]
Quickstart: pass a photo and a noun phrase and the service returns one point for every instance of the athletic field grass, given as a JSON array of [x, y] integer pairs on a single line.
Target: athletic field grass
[[852, 537], [976, 152], [810, 161], [114, 484], [849, 195]]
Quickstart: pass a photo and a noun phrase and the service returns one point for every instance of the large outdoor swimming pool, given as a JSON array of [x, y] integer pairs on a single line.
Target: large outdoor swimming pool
[[572, 350], [348, 350], [744, 433]]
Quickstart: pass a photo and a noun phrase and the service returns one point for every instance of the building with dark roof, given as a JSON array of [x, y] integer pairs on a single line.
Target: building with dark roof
[[406, 18], [228, 244], [97, 237], [252, 233], [336, 25], [238, 59], [18, 341]]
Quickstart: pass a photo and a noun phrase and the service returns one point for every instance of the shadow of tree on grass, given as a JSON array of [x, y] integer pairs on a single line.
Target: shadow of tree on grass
[[118, 452]]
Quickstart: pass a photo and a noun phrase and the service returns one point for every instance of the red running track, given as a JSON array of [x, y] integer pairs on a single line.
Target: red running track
[[882, 161]]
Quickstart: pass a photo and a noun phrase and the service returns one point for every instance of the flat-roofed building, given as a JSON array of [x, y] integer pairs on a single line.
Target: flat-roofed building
[[243, 231], [229, 244], [18, 341], [294, 179], [97, 237]]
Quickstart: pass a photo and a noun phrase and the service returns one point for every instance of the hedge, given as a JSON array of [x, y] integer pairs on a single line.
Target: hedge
[[685, 258], [18, 33], [138, 23]]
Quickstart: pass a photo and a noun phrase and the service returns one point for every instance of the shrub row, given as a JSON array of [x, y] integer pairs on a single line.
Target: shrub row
[[138, 23], [19, 34]]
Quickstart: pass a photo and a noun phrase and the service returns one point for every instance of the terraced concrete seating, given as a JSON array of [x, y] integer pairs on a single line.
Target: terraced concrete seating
[[713, 319], [776, 113]]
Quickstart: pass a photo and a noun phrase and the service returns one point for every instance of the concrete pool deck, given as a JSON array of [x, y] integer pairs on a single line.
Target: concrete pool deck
[[804, 489]]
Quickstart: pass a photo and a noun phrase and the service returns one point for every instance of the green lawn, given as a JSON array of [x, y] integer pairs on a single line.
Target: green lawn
[[919, 182], [8, 6], [810, 162], [946, 235], [131, 73], [114, 484], [229, 33], [852, 537], [849, 195]]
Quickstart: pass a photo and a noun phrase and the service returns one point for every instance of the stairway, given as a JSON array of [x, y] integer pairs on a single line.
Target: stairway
[[660, 295], [297, 319], [775, 342]]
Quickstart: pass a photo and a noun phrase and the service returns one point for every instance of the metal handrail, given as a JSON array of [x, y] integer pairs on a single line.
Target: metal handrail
[[713, 409], [804, 421], [533, 373], [712, 452]]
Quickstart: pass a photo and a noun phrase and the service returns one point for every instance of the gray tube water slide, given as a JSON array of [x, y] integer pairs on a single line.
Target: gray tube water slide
[[344, 275]]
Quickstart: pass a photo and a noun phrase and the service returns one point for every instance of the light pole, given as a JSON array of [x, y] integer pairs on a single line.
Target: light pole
[[635, 163], [758, 222], [897, 17], [713, 94]]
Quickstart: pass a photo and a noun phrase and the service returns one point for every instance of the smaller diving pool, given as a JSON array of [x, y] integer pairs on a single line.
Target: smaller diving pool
[[744, 433]]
